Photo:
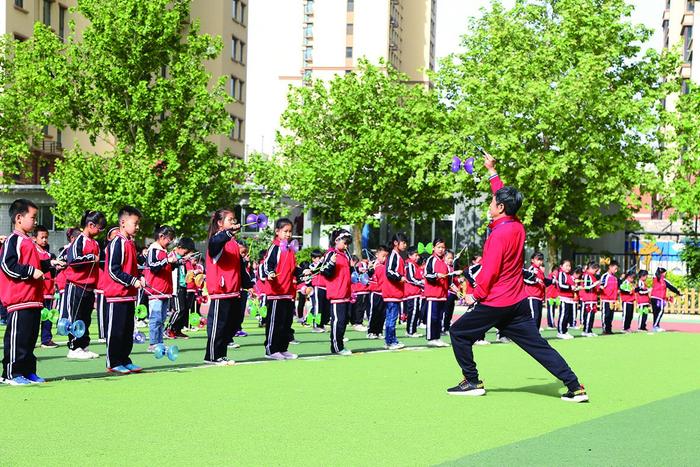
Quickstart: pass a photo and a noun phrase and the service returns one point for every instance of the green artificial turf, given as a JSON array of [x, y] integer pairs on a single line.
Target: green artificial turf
[[373, 408]]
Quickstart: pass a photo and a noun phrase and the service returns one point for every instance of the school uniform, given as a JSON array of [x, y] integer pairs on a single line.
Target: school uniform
[[435, 295], [643, 304], [100, 305], [534, 288], [49, 290], [412, 292], [589, 300], [336, 270], [360, 292], [159, 289], [552, 296], [23, 297], [453, 281], [565, 285], [178, 303], [223, 265], [247, 283], [393, 294], [377, 307], [280, 263], [659, 294], [609, 289], [627, 297], [502, 302], [121, 274], [81, 280]]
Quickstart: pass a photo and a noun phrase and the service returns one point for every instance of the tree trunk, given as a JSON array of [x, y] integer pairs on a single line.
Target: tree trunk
[[552, 252], [357, 239]]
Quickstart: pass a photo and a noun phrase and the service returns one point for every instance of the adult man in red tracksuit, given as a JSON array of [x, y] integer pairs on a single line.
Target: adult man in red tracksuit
[[500, 299]]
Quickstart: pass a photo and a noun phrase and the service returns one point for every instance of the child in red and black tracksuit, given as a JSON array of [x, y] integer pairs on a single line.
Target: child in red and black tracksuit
[[336, 269], [21, 292], [643, 301], [279, 270], [393, 290], [500, 299], [360, 291], [377, 307], [41, 238], [99, 290], [179, 319], [319, 290], [81, 281], [609, 290], [412, 292], [535, 283], [659, 294], [120, 289], [436, 285], [552, 297], [159, 283], [588, 294], [247, 283], [566, 288], [452, 291], [223, 266], [627, 297]]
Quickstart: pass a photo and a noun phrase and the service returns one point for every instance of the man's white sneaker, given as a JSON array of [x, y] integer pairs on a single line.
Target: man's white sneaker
[[396, 346], [371, 336], [345, 352], [482, 342], [275, 356], [564, 336], [359, 328], [414, 335], [437, 343], [289, 355], [78, 354], [91, 353]]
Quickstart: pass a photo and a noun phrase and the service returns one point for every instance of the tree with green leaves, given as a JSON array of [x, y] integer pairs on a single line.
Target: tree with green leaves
[[135, 77], [366, 142], [560, 93]]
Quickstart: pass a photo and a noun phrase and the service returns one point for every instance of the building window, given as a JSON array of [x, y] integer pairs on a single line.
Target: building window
[[241, 91], [47, 12], [307, 76], [62, 22], [351, 5], [233, 128], [349, 28], [234, 87], [687, 44], [309, 31], [234, 9], [309, 7], [242, 15], [348, 52], [241, 55], [239, 135], [685, 88], [690, 5], [19, 3], [308, 54], [45, 217]]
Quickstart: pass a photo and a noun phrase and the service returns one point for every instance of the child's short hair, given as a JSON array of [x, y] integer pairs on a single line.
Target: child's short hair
[[39, 228], [439, 240], [316, 253], [412, 250], [261, 254], [510, 198], [449, 252], [355, 258], [578, 270], [383, 248], [399, 237], [96, 217], [340, 234], [473, 258], [72, 233], [593, 265], [20, 207], [613, 263], [643, 273], [186, 243], [164, 231], [537, 255], [564, 261], [129, 211]]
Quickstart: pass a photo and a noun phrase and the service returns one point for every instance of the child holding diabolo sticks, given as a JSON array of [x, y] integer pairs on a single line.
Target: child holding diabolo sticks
[[589, 298], [279, 270], [223, 266], [393, 290], [499, 298], [360, 291], [412, 292], [81, 281], [643, 302], [535, 284], [21, 292], [159, 283], [181, 263], [41, 238], [659, 293], [120, 290], [336, 269], [319, 289], [102, 323], [608, 297], [436, 286], [377, 307], [627, 297], [566, 288]]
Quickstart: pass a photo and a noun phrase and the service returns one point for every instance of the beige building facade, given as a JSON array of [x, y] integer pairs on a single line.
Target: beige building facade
[[296, 40]]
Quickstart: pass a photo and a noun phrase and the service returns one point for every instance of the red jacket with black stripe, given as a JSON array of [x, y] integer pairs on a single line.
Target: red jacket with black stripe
[[435, 287], [609, 287], [158, 274], [282, 263], [534, 286], [336, 269], [223, 264], [121, 270], [19, 258], [589, 289], [414, 284], [49, 283], [83, 258], [392, 287], [565, 285], [377, 278]]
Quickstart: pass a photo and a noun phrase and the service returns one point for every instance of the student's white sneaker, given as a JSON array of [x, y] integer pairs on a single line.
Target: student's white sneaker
[[318, 330], [345, 352], [102, 341], [437, 343], [422, 326], [415, 334], [91, 353], [371, 336], [504, 340], [658, 329], [233, 345], [359, 328], [345, 339], [78, 354], [564, 336], [275, 356], [396, 346], [290, 356], [482, 342]]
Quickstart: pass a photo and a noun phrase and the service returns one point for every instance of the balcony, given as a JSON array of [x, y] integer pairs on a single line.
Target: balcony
[[49, 147]]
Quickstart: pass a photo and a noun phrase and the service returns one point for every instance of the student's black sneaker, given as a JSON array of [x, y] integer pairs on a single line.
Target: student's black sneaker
[[465, 388], [578, 395]]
